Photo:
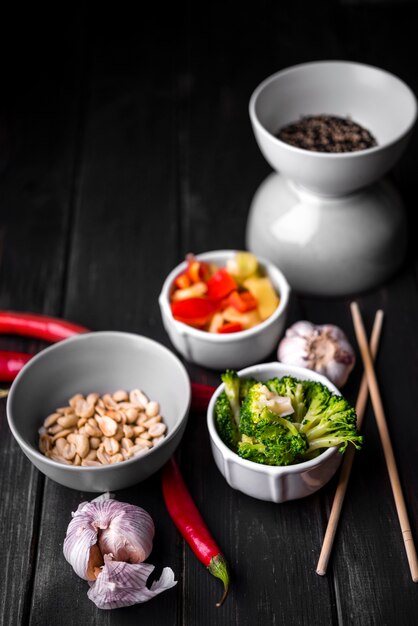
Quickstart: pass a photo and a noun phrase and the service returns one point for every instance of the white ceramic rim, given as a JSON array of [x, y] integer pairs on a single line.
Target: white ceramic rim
[[183, 329], [275, 470], [327, 155], [85, 337]]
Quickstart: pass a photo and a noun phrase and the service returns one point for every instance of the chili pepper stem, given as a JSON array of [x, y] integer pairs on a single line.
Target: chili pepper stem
[[218, 567]]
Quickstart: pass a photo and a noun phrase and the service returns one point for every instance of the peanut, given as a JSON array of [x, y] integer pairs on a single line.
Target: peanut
[[120, 396], [51, 419], [152, 409], [82, 445], [107, 425], [156, 430], [102, 430], [111, 445], [68, 421], [138, 398]]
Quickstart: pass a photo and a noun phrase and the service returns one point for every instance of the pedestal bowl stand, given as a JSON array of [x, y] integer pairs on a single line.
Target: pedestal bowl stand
[[334, 223]]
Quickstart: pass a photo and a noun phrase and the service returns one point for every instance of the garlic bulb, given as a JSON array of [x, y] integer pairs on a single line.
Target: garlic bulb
[[106, 543], [322, 348]]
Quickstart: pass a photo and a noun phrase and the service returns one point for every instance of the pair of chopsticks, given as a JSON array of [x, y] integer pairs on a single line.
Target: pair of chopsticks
[[369, 383]]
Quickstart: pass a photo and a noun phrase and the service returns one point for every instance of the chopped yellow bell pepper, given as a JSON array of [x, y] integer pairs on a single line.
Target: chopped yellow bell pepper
[[263, 291]]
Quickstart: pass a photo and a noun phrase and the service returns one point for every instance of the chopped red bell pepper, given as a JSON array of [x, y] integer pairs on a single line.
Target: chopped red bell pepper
[[230, 327], [242, 301], [220, 284], [194, 311]]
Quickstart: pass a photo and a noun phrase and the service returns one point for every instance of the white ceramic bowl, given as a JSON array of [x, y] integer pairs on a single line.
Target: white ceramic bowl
[[266, 482], [101, 362], [233, 350], [372, 97]]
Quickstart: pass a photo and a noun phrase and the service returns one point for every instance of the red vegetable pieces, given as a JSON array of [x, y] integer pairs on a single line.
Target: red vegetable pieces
[[220, 285], [194, 311], [190, 524], [242, 301]]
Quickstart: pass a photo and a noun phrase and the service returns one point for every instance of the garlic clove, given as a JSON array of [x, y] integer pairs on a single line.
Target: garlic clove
[[338, 372], [302, 329], [129, 531], [80, 537], [124, 584], [292, 350], [95, 561]]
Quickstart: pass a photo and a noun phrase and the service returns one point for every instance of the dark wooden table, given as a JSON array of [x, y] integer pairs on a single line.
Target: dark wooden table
[[125, 143]]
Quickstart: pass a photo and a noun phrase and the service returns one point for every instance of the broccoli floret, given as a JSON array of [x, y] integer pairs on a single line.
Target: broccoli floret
[[281, 436], [329, 421], [225, 422], [277, 441], [245, 385], [232, 385], [252, 450], [317, 398], [228, 405]]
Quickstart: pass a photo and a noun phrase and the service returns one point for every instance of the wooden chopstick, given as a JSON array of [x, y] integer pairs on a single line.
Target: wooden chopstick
[[347, 464], [385, 440]]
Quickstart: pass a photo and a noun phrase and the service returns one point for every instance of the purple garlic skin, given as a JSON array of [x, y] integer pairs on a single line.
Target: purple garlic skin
[[123, 584], [324, 349]]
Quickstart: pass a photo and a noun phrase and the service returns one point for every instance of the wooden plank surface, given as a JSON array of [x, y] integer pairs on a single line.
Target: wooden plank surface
[[120, 246], [125, 145], [41, 106]]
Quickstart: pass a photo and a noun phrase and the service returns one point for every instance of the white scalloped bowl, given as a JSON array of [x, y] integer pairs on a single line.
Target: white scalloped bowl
[[232, 350], [267, 482]]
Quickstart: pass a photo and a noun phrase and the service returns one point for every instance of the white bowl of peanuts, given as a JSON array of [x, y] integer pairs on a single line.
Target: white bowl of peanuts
[[100, 411]]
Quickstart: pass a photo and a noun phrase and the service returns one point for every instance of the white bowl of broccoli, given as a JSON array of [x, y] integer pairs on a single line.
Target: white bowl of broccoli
[[278, 432]]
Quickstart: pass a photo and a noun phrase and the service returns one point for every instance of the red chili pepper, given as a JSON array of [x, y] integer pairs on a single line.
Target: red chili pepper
[[193, 311], [38, 326], [220, 284], [242, 301], [191, 525], [229, 327], [201, 394], [11, 363]]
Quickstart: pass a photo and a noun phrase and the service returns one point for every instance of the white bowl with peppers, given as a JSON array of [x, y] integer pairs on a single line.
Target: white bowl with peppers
[[225, 308]]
